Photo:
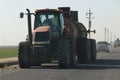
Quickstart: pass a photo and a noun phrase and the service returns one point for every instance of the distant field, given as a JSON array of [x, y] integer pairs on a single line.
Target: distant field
[[8, 52]]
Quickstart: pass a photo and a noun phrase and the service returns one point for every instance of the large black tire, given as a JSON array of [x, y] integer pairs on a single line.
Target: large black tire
[[73, 53], [63, 51], [83, 50], [93, 50], [24, 55]]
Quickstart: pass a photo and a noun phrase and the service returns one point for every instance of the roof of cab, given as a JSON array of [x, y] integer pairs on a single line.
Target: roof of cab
[[47, 10]]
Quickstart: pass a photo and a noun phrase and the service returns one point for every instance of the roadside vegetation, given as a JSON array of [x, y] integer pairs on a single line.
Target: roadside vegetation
[[8, 52]]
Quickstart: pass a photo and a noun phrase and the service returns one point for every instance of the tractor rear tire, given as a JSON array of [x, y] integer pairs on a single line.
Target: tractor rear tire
[[63, 50], [93, 50], [84, 50], [23, 55]]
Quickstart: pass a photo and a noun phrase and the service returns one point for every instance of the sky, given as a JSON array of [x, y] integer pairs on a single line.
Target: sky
[[106, 13]]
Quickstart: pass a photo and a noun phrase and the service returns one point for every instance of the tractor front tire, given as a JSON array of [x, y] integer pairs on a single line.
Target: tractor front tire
[[63, 50], [73, 54], [23, 54]]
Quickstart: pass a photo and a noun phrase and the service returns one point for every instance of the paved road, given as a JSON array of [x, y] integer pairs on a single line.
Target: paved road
[[107, 67]]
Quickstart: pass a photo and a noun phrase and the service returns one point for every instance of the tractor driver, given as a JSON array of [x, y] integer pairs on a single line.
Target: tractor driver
[[47, 21]]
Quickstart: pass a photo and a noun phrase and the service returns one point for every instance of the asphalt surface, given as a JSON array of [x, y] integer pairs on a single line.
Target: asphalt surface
[[107, 67]]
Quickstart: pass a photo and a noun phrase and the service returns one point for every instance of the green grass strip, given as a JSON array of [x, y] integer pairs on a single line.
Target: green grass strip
[[8, 52]]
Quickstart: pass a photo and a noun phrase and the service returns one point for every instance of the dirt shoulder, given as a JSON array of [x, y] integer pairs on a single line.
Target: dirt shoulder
[[5, 60]]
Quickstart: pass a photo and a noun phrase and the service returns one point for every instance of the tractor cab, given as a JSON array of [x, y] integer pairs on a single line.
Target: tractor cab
[[48, 26], [49, 19]]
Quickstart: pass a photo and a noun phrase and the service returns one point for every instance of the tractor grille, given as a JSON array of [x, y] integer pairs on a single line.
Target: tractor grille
[[41, 36]]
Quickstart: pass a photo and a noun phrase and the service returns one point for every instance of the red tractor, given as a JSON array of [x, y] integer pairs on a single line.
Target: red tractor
[[57, 36]]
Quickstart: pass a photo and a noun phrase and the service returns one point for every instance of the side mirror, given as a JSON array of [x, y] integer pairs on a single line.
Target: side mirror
[[94, 31], [21, 15]]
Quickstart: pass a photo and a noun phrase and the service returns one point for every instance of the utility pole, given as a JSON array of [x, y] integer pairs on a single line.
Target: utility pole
[[114, 38], [108, 35], [111, 40], [89, 22], [111, 37], [105, 33]]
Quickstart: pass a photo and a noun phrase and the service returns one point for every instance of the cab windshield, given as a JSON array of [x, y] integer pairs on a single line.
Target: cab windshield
[[46, 19], [51, 19]]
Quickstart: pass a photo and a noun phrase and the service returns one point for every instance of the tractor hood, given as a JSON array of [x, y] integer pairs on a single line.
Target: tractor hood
[[41, 33], [42, 29]]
